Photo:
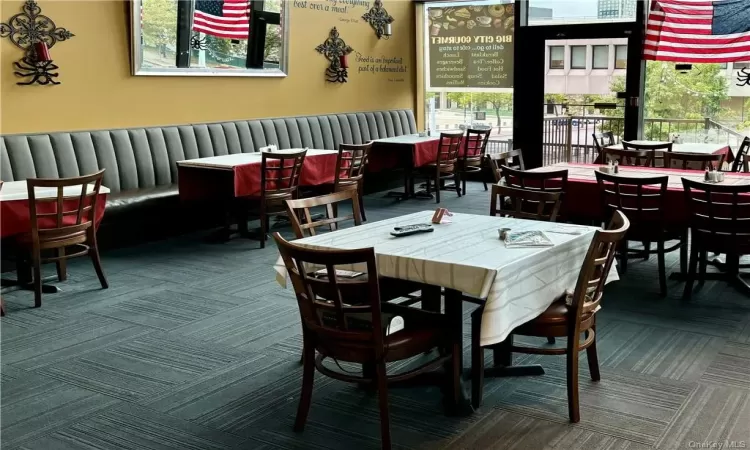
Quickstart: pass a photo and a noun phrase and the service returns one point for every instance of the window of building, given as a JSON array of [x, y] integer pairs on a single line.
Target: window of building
[[621, 56], [723, 65], [578, 57], [600, 59], [741, 65], [557, 57]]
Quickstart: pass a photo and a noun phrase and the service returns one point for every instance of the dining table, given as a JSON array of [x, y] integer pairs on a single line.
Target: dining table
[[15, 218], [467, 261], [239, 174], [696, 148]]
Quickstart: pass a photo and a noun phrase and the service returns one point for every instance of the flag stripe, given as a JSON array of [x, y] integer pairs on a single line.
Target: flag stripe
[[697, 31], [233, 23]]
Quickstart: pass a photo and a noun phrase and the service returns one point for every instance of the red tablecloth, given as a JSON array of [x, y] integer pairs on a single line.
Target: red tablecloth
[[390, 155], [205, 183], [583, 200], [15, 216]]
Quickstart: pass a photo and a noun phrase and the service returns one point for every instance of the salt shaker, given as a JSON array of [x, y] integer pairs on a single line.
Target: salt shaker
[[617, 167]]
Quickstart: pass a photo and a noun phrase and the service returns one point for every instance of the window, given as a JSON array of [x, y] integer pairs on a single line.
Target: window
[[600, 58], [741, 65], [621, 56], [723, 66], [577, 56], [557, 57]]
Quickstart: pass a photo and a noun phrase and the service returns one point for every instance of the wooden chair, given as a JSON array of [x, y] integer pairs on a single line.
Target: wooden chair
[[444, 166], [719, 223], [643, 201], [688, 161], [350, 170], [279, 182], [524, 203], [2, 304], [651, 149], [63, 221], [639, 158], [741, 161], [303, 224], [353, 329], [549, 181], [512, 159], [563, 318], [475, 147], [602, 140]]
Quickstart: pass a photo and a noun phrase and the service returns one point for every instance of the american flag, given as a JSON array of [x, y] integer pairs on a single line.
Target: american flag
[[222, 18], [698, 31]]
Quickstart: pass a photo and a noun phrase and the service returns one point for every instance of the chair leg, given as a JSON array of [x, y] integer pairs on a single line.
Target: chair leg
[[624, 255], [477, 359], [457, 180], [308, 377], [385, 419], [263, 224], [62, 265], [684, 253], [572, 378], [647, 249], [37, 263], [437, 189], [2, 307], [361, 203], [688, 292], [502, 354], [662, 268], [94, 254], [703, 261], [593, 357]]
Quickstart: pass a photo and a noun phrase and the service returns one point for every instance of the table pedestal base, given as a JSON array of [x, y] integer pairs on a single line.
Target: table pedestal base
[[15, 285]]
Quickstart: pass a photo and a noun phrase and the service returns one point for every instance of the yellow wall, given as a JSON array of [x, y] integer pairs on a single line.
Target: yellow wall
[[98, 90]]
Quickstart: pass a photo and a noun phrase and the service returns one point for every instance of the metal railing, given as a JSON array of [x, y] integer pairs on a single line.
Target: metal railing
[[570, 138]]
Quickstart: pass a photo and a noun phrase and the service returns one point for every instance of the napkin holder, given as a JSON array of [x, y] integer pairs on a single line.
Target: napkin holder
[[422, 134], [441, 216]]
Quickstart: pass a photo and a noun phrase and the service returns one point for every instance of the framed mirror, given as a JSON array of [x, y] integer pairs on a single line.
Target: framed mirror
[[210, 37]]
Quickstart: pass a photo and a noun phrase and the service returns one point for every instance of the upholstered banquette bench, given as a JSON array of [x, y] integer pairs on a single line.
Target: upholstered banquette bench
[[140, 163]]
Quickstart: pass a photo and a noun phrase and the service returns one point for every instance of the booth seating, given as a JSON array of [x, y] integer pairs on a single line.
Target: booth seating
[[140, 163]]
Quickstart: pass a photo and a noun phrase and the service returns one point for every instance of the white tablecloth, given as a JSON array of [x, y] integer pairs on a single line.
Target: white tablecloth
[[407, 139], [467, 255]]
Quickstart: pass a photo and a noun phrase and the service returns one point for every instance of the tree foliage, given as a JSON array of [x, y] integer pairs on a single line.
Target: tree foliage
[[159, 22]]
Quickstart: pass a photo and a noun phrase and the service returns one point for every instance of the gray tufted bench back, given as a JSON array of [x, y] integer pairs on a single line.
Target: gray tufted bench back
[[140, 158]]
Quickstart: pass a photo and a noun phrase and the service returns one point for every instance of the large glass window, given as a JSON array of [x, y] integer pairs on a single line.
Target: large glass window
[[557, 57], [600, 58], [703, 104], [621, 56], [578, 57]]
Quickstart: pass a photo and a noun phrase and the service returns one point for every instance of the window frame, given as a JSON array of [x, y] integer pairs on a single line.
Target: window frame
[[585, 50], [562, 59], [593, 57], [625, 49]]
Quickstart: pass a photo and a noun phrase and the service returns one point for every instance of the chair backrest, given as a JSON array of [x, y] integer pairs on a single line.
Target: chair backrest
[[719, 214], [475, 144], [351, 163], [641, 158], [337, 322], [304, 205], [66, 214], [595, 269], [550, 181], [525, 203], [448, 147], [280, 173], [651, 149], [742, 158], [602, 140], [512, 159], [642, 200], [696, 161]]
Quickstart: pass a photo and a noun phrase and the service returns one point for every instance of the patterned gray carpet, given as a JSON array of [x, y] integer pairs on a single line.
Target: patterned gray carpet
[[195, 346]]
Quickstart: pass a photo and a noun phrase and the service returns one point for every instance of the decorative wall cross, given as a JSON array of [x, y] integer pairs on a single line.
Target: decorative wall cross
[[335, 50], [26, 29], [379, 19]]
